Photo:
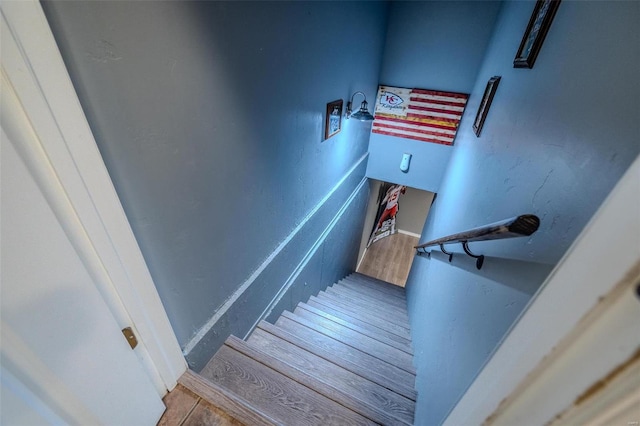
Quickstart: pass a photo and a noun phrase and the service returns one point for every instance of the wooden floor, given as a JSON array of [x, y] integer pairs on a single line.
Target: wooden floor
[[344, 357], [186, 408], [390, 258]]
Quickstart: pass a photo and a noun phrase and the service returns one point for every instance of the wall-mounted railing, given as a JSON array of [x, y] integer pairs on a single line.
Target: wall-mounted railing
[[520, 226]]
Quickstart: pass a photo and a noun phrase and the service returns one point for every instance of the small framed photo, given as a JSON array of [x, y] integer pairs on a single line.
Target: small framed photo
[[333, 119], [485, 104], [539, 24]]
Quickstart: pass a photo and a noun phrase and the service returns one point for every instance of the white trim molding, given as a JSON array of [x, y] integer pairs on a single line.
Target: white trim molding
[[305, 260], [567, 316], [34, 73], [412, 234], [206, 328]]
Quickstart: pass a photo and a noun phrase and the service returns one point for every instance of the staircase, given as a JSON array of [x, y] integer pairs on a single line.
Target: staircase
[[343, 357]]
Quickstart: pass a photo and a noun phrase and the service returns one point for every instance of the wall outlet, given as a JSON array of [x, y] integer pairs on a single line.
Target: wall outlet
[[404, 164]]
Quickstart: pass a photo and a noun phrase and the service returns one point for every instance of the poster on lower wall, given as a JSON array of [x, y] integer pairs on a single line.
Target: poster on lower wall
[[419, 114], [388, 206]]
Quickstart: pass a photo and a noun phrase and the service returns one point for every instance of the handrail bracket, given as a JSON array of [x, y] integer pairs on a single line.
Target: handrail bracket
[[479, 258], [446, 252]]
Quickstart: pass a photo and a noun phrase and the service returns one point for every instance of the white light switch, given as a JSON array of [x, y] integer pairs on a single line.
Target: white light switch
[[404, 164]]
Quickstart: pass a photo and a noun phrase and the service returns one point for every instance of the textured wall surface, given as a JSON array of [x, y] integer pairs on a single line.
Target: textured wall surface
[[556, 140], [436, 45], [210, 119]]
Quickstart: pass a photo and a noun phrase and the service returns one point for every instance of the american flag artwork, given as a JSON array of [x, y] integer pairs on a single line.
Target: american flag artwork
[[423, 115]]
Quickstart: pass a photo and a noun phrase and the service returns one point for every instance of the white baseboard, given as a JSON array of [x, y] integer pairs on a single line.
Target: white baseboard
[[413, 234], [364, 253]]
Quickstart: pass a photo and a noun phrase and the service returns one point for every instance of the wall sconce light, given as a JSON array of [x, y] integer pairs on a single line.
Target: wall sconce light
[[363, 114]]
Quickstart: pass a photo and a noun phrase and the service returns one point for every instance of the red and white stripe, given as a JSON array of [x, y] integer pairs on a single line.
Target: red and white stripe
[[432, 116]]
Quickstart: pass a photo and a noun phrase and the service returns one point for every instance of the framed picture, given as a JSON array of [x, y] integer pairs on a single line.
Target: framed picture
[[485, 104], [333, 119], [533, 38]]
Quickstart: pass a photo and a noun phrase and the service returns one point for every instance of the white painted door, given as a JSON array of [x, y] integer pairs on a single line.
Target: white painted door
[[64, 359]]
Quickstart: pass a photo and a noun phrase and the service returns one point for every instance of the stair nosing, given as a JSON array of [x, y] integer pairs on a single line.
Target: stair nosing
[[303, 321], [373, 292], [311, 382], [374, 376], [404, 332], [375, 282], [369, 298], [402, 322], [225, 399], [365, 332]]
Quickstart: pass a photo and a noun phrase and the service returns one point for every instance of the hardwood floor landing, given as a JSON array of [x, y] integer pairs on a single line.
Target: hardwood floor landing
[[390, 258]]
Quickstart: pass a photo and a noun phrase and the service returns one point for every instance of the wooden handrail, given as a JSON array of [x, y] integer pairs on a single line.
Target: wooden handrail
[[519, 226]]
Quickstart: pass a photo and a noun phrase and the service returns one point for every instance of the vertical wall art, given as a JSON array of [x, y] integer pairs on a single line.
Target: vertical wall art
[[533, 38], [333, 119], [485, 104]]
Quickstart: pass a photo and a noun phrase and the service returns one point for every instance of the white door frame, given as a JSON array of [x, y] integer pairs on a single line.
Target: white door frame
[[579, 328], [33, 70]]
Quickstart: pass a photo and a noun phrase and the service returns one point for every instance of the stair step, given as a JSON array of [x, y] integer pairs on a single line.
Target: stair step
[[350, 359], [366, 281], [345, 313], [379, 284], [359, 311], [377, 281], [354, 339], [376, 334], [386, 301], [281, 398], [369, 303], [396, 315], [373, 291], [238, 408], [356, 393]]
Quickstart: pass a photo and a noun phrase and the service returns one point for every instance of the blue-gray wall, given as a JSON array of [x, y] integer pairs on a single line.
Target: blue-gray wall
[[436, 45], [556, 140], [210, 119]]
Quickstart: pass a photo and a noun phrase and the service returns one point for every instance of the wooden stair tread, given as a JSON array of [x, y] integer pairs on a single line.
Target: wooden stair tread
[[342, 358], [374, 292], [239, 408], [392, 303], [350, 359], [359, 306], [381, 286], [378, 334], [348, 315], [376, 283], [359, 311], [359, 324], [282, 398], [352, 338], [388, 371], [365, 344], [356, 393], [368, 303]]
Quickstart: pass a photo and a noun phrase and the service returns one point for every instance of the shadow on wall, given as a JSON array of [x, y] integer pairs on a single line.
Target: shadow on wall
[[500, 271], [458, 315]]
